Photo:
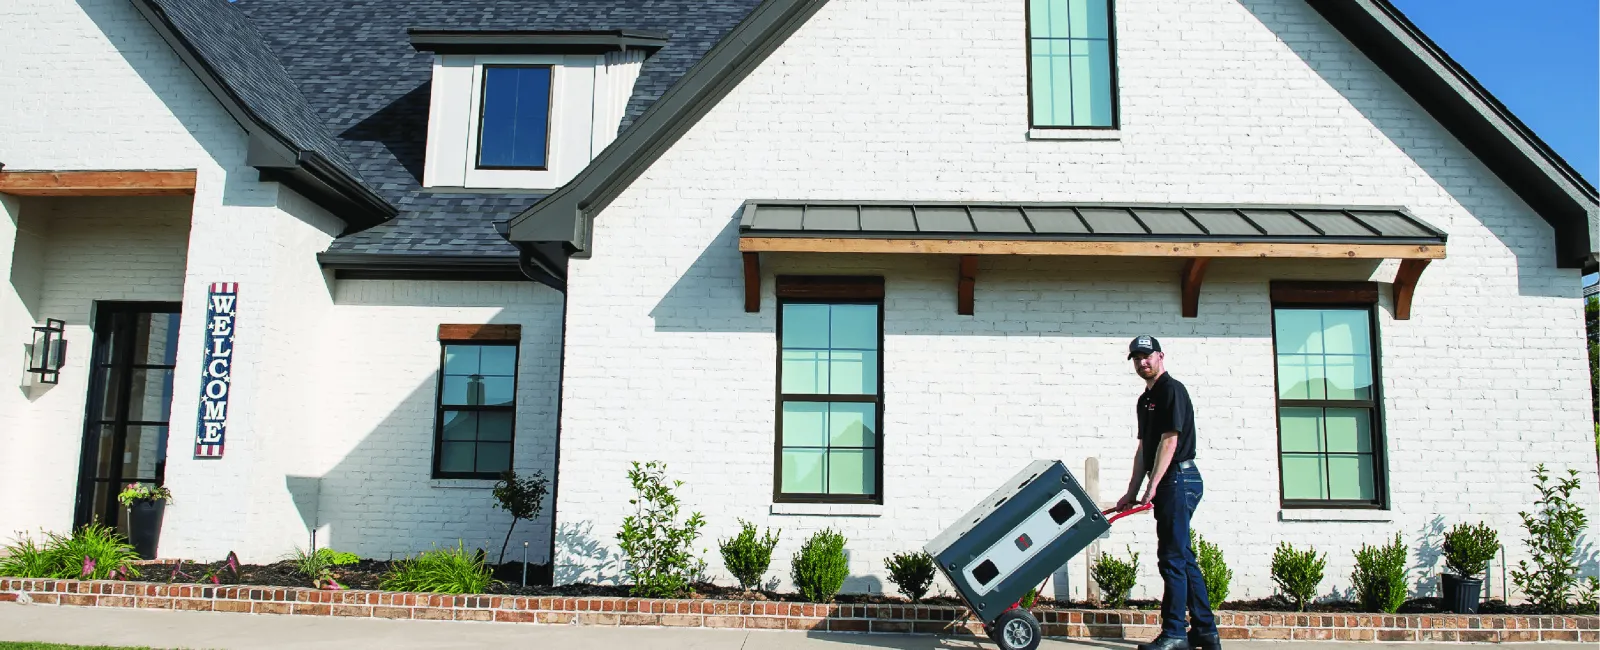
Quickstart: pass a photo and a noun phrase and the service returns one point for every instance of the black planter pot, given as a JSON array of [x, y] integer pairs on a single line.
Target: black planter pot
[[144, 526], [1461, 594]]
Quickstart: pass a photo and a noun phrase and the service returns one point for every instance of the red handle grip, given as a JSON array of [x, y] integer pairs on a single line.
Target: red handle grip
[[1127, 512]]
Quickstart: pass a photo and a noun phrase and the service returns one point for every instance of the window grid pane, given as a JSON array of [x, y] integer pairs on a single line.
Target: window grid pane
[[827, 447], [1327, 450], [1071, 62], [476, 402]]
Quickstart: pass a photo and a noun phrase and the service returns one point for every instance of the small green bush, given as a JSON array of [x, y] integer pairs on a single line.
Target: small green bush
[[1298, 573], [1468, 549], [521, 497], [912, 573], [660, 562], [93, 552], [1115, 577], [318, 566], [746, 556], [1213, 567], [440, 571], [1552, 540], [1380, 576], [25, 559], [820, 567]]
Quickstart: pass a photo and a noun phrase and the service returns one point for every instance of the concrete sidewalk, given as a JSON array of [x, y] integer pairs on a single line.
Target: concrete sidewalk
[[181, 629]]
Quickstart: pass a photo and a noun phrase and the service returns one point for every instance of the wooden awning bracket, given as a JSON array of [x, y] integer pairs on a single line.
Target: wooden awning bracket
[[1194, 273], [1405, 285], [967, 276], [752, 282]]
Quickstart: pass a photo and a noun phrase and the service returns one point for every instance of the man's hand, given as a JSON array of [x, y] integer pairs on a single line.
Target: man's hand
[[1128, 500]]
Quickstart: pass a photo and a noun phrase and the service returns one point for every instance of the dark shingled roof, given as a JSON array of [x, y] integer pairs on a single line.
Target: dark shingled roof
[[234, 49], [356, 69]]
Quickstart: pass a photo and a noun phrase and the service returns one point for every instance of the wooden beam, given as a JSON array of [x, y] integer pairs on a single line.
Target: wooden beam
[[966, 280], [752, 282], [98, 183], [1405, 284], [1091, 248], [1194, 272], [479, 332], [1323, 292]]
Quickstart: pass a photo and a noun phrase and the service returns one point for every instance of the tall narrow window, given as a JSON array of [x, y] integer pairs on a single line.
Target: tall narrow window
[[1071, 66], [514, 122], [476, 406], [829, 394], [1329, 430]]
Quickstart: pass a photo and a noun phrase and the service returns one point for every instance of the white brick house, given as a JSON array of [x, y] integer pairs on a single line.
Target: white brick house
[[999, 253]]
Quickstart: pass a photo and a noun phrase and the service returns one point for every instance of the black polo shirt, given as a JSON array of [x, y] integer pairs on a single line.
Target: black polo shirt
[[1165, 407]]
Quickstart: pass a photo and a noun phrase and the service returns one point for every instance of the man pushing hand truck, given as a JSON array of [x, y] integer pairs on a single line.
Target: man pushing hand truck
[[1021, 533]]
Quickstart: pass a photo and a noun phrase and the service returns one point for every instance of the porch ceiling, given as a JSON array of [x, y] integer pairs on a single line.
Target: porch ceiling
[[1191, 231]]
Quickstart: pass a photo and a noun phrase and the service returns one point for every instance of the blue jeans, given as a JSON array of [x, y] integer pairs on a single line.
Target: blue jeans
[[1185, 592]]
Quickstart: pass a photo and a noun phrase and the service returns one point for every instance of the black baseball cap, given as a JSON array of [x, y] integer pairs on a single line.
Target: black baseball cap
[[1143, 344]]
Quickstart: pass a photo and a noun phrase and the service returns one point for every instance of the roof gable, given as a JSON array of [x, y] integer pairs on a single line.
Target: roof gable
[[563, 221]]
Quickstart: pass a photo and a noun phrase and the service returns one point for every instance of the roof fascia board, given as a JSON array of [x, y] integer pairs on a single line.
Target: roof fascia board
[[1480, 122], [269, 150], [566, 215], [459, 41], [395, 266]]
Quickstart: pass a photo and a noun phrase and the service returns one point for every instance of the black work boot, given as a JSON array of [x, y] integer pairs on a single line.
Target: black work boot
[[1164, 642], [1212, 641]]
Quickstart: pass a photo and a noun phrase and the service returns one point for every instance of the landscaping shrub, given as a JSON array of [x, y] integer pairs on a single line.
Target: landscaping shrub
[[25, 559], [440, 571], [93, 552], [1468, 549], [819, 569], [912, 573], [521, 497], [1213, 567], [747, 557], [660, 562], [1552, 539], [1298, 573], [318, 566], [1115, 577], [1380, 576]]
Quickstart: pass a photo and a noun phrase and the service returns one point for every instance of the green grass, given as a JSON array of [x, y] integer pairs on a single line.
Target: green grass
[[35, 645]]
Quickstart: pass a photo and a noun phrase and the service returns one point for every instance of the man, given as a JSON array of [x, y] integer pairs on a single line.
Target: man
[[1166, 454]]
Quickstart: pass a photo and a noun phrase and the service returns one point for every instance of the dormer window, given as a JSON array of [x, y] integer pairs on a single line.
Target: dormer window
[[525, 110], [514, 122]]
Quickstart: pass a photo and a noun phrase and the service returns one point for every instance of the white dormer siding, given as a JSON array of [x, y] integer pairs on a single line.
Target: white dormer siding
[[587, 96]]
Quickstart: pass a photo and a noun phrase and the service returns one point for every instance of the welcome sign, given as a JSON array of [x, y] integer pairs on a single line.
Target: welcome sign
[[217, 373]]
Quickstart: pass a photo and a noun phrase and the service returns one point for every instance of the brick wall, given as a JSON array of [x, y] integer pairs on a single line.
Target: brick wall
[[1221, 101], [379, 361]]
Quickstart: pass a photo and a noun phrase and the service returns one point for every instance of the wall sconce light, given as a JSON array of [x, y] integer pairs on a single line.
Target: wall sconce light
[[49, 351]]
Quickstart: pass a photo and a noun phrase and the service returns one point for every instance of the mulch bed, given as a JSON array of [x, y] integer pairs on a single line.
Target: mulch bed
[[369, 574]]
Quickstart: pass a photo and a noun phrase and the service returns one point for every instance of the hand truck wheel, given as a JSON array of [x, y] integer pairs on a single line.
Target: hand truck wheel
[[1016, 629]]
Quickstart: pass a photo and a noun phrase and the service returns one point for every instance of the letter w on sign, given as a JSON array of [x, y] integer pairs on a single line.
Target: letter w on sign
[[216, 369]]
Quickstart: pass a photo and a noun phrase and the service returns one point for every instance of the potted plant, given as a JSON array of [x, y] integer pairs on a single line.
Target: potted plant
[[1467, 551], [146, 503]]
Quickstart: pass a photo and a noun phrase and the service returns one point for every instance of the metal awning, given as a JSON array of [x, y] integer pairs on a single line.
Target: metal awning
[[1195, 232]]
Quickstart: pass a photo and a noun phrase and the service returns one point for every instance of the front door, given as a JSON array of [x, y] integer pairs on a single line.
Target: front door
[[129, 405]]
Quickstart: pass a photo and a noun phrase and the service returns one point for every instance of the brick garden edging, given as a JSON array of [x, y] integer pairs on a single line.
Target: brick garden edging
[[915, 619]]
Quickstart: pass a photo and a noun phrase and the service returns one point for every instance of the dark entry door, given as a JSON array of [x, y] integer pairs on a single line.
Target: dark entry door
[[129, 405]]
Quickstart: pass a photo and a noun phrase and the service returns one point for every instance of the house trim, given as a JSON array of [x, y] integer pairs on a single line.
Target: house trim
[[97, 183], [1375, 27], [279, 159], [472, 41]]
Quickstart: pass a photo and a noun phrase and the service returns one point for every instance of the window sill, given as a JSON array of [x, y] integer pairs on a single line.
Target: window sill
[[829, 509], [1320, 514], [462, 483], [1074, 134]]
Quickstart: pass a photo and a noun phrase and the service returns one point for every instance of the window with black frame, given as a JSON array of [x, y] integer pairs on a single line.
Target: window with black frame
[[1329, 427], [476, 409], [829, 396], [1072, 74]]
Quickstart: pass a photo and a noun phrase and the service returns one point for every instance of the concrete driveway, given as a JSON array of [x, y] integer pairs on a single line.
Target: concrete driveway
[[181, 629]]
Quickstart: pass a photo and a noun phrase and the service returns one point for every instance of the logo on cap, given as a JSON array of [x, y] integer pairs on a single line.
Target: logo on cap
[[1143, 344]]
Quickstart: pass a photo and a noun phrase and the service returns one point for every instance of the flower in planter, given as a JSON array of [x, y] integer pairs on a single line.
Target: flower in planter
[[144, 492]]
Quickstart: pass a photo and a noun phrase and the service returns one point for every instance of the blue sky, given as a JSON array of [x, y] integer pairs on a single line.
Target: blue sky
[[1541, 58]]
